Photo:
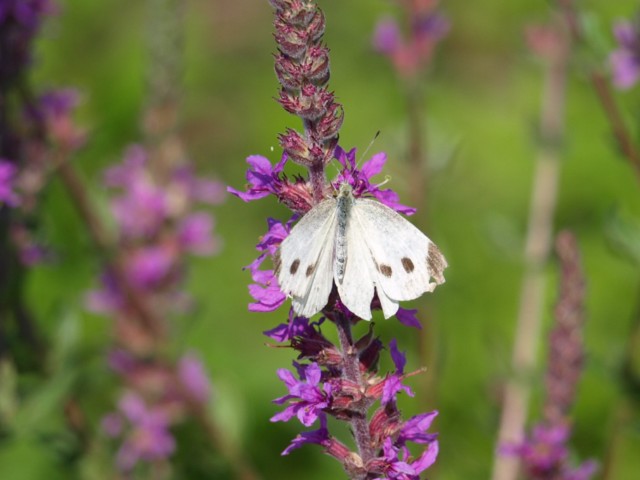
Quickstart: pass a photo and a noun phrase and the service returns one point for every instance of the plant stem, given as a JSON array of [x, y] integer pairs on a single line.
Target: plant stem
[[351, 372], [102, 240], [538, 245], [602, 88]]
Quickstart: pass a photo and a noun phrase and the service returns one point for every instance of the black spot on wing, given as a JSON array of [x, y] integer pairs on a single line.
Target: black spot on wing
[[294, 266], [407, 264], [385, 270], [310, 270]]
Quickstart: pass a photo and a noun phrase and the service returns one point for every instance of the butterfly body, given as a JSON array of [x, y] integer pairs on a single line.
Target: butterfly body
[[344, 203], [361, 246]]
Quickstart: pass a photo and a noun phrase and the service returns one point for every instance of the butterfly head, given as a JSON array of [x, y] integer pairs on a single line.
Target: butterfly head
[[346, 190]]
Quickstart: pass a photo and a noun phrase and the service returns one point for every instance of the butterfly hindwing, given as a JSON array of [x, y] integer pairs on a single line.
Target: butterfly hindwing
[[304, 262]]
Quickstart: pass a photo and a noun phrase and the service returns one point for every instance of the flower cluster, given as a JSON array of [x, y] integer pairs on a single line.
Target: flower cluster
[[625, 61], [156, 398], [19, 23], [265, 179], [157, 227], [320, 390], [32, 137], [7, 179], [411, 54], [331, 380], [544, 454]]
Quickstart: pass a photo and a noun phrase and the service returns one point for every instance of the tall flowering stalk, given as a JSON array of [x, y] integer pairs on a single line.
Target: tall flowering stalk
[[552, 44], [544, 453], [34, 129], [155, 205], [330, 380]]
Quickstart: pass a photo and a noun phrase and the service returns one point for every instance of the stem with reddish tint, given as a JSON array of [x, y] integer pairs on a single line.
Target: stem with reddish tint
[[538, 245]]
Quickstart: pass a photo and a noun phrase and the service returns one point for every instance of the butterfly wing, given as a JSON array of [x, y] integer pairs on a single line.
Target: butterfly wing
[[404, 260], [357, 285], [304, 261]]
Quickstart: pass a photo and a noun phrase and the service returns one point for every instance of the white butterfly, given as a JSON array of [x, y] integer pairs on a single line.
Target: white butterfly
[[360, 245]]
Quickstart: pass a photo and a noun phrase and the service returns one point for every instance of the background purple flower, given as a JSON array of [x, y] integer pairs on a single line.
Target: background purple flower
[[625, 60], [7, 178]]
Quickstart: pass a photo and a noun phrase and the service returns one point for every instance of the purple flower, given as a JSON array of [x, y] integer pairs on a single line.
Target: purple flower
[[132, 167], [107, 299], [147, 438], [141, 210], [545, 455], [414, 430], [263, 178], [625, 61], [194, 378], [197, 189], [431, 28], [408, 317], [396, 463], [195, 234], [360, 179], [295, 327], [266, 291], [7, 177], [150, 266], [26, 12], [319, 437], [307, 398], [386, 37], [393, 383]]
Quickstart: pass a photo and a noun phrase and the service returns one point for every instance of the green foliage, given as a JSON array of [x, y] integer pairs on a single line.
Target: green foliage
[[481, 96]]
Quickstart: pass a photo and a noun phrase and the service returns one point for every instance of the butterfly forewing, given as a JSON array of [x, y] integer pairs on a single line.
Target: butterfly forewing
[[304, 262], [400, 252], [374, 249]]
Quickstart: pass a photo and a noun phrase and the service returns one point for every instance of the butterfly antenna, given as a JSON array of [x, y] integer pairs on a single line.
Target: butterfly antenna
[[366, 150]]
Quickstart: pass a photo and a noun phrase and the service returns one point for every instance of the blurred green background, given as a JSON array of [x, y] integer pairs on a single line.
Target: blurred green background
[[482, 99]]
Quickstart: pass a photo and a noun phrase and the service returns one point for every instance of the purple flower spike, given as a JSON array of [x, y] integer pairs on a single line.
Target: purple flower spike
[[308, 400], [545, 455], [625, 61], [7, 176]]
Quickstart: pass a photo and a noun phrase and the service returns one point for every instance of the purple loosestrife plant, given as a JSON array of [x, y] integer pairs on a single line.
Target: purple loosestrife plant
[[329, 380], [30, 150], [158, 226], [544, 453], [625, 60]]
